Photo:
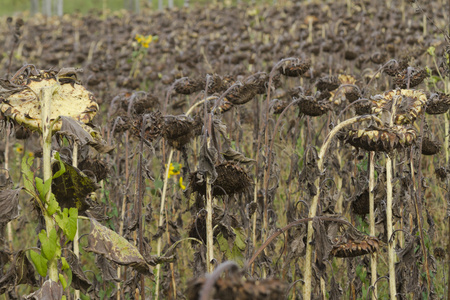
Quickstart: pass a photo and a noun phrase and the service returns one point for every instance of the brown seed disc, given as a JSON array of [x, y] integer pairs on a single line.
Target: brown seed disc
[[224, 107], [153, 126], [353, 248], [178, 130], [261, 80], [360, 205], [215, 84], [363, 107], [22, 133], [438, 103], [416, 77], [352, 94], [279, 105], [441, 173], [350, 55], [242, 94], [187, 86], [295, 68], [327, 83], [231, 179], [311, 107], [381, 139], [440, 253], [430, 147], [143, 104]]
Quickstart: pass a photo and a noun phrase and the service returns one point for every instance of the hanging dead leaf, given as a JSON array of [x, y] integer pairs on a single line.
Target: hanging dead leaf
[[79, 279], [5, 180], [116, 248], [21, 271], [233, 155], [9, 205], [50, 290], [108, 272]]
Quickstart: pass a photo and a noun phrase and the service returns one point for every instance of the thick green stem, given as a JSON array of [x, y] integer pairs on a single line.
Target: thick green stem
[[373, 257], [46, 99], [313, 209]]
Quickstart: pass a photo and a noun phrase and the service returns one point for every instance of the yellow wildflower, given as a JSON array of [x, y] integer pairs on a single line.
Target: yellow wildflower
[[174, 169], [19, 149], [182, 186], [145, 40]]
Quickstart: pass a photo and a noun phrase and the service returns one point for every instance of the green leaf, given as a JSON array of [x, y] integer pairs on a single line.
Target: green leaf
[[240, 239], [431, 51], [72, 223], [28, 175], [39, 262], [62, 168], [67, 270], [63, 281], [158, 184], [67, 221], [84, 297], [49, 244], [65, 265], [53, 205]]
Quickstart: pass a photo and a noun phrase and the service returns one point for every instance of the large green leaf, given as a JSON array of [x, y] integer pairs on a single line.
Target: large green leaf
[[40, 263], [50, 245], [67, 221]]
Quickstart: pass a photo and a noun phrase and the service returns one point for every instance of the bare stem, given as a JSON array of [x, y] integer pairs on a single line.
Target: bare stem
[[161, 220], [313, 209], [373, 257], [389, 225]]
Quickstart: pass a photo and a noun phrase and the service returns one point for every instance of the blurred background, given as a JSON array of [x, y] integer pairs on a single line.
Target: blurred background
[[60, 7]]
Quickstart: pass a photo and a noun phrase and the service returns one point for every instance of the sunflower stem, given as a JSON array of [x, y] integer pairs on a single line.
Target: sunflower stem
[[76, 244], [373, 256], [46, 100], [389, 198], [161, 220], [313, 209]]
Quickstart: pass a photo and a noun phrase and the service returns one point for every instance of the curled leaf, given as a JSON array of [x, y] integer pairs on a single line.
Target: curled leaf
[[9, 205]]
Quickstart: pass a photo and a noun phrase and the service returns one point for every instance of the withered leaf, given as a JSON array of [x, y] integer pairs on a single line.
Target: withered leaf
[[5, 180], [79, 279], [7, 88], [116, 248], [108, 272], [50, 290], [236, 156], [9, 205], [21, 271], [74, 129]]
